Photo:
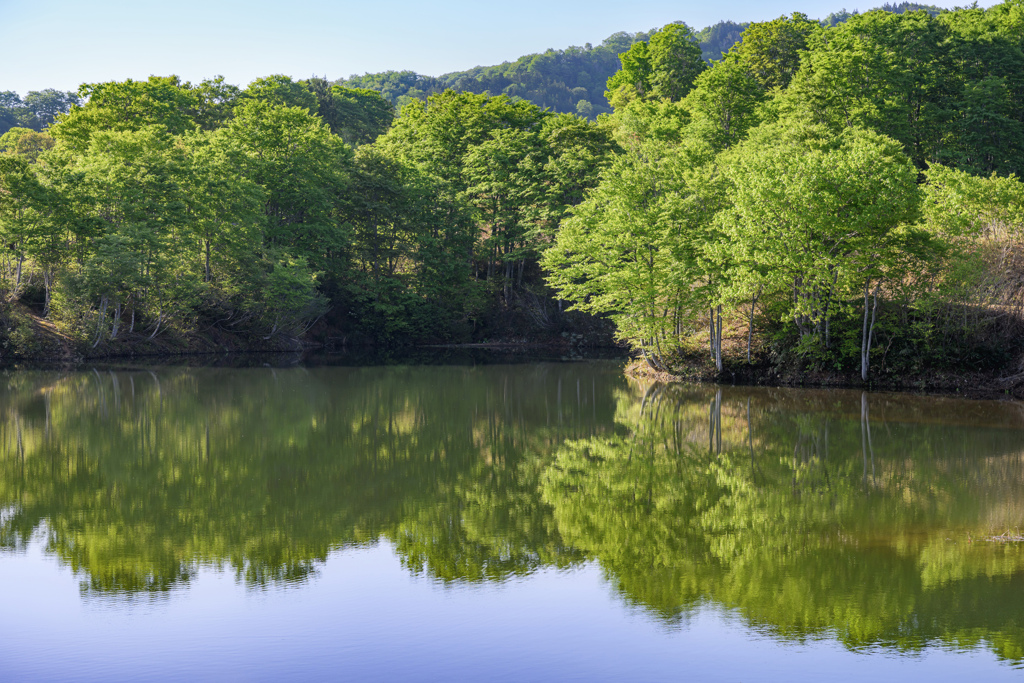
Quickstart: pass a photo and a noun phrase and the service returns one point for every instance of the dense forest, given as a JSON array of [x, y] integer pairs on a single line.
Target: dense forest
[[824, 196], [565, 81], [841, 190]]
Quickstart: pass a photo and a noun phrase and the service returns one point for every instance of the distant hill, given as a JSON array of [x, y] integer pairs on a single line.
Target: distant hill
[[842, 15], [570, 80]]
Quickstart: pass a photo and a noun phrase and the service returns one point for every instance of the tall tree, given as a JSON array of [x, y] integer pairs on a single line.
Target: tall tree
[[888, 72], [127, 106], [827, 216], [771, 49], [676, 61]]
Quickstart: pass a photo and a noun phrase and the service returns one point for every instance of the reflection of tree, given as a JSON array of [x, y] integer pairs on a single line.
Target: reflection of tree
[[141, 477], [814, 515], [808, 512]]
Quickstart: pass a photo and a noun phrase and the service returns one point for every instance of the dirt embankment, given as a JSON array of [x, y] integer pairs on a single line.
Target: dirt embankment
[[25, 335], [1008, 384]]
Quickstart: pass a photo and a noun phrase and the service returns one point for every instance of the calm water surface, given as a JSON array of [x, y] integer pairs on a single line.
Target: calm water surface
[[501, 522]]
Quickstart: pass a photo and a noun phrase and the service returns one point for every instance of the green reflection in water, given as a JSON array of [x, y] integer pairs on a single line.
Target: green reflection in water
[[811, 514], [141, 477]]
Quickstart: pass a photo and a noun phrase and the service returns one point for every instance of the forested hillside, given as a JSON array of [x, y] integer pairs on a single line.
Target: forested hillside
[[826, 198], [567, 81]]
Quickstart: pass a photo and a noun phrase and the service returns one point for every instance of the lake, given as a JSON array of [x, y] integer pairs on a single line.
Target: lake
[[501, 522]]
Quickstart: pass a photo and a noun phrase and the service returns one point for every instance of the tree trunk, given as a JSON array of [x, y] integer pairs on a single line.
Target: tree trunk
[[117, 322], [159, 322], [718, 356], [102, 319], [750, 326], [716, 337], [868, 331], [47, 285], [17, 277]]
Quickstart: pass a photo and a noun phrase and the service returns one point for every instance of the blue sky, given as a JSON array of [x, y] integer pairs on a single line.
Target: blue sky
[[62, 43]]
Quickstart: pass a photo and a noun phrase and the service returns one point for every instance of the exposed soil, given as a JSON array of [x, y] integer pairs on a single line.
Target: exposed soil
[[46, 343], [969, 384], [29, 336]]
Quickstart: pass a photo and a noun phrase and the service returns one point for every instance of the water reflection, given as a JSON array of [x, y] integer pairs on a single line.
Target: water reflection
[[140, 477], [863, 518]]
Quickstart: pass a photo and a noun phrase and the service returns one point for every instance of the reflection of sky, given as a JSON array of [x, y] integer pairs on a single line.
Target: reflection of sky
[[364, 617], [62, 43]]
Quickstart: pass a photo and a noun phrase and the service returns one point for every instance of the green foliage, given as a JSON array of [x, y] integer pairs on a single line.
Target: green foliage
[[883, 71], [410, 260], [718, 39], [665, 67], [819, 217], [765, 184], [358, 115], [281, 91], [564, 81], [675, 61], [127, 106], [573, 80], [633, 80], [516, 168], [304, 170], [37, 111], [215, 102], [725, 103], [25, 142], [634, 250], [771, 50]]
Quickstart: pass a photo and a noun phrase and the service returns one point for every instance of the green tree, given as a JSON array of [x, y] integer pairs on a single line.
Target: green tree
[[771, 49], [633, 250], [127, 106], [887, 72], [676, 61], [25, 143], [24, 203], [825, 215], [282, 91], [725, 103], [215, 102], [360, 115], [46, 105], [137, 181], [633, 80], [304, 171]]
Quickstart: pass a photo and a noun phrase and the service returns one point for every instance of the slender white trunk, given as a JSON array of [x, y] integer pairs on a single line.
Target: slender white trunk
[[47, 284], [716, 337], [868, 330], [117, 322], [159, 322], [17, 279], [750, 326], [102, 319]]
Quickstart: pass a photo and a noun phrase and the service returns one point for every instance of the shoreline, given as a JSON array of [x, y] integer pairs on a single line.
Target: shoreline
[[974, 385], [52, 349]]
